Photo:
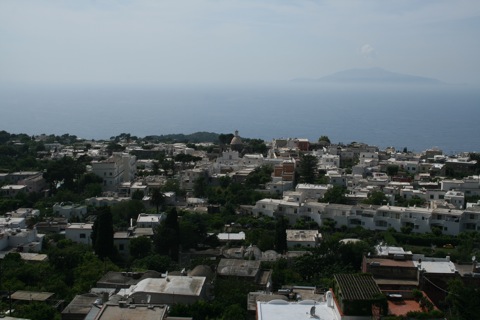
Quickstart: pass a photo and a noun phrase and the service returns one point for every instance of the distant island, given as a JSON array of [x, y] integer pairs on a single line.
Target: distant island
[[370, 76]]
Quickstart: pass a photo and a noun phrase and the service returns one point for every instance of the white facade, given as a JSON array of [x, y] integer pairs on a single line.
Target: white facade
[[120, 167], [329, 161], [469, 185], [69, 210], [303, 238], [312, 191], [11, 190], [301, 310], [419, 219], [149, 220], [255, 160], [79, 232], [456, 198], [24, 240], [368, 158], [12, 222], [105, 201]]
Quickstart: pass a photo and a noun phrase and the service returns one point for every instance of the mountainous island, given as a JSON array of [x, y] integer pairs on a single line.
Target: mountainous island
[[374, 75]]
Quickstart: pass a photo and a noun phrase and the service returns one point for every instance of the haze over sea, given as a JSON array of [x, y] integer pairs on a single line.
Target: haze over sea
[[418, 118]]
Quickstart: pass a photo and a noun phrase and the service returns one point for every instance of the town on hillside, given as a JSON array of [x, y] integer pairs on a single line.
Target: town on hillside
[[217, 226]]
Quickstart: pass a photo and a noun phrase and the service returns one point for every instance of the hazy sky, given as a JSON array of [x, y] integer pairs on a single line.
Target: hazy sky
[[156, 41]]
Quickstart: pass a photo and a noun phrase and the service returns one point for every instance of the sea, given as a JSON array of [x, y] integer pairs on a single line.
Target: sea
[[446, 117]]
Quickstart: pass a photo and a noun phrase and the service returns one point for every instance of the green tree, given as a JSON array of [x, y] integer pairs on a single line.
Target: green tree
[[36, 311], [336, 194], [102, 234], [114, 147], [63, 172], [167, 236], [157, 198], [376, 197], [225, 139], [155, 262], [140, 247], [200, 186], [392, 170], [324, 139], [308, 168], [234, 312], [138, 195], [259, 176], [281, 235], [124, 211], [463, 300]]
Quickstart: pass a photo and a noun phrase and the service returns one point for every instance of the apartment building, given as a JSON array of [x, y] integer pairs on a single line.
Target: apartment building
[[120, 167]]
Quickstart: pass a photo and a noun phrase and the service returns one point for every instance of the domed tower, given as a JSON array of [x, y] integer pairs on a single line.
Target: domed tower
[[236, 143]]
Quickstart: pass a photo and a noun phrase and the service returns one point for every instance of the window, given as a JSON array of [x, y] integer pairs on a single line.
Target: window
[[121, 247], [381, 223], [83, 235]]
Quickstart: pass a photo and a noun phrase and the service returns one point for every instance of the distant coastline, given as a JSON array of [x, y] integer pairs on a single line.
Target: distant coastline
[[417, 117], [373, 75]]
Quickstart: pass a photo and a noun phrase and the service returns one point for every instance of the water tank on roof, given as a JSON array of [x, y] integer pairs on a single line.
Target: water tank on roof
[[329, 299]]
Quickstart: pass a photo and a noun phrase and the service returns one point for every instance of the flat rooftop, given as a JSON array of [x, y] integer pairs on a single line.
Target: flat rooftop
[[31, 295], [238, 267], [134, 312], [283, 310], [178, 285]]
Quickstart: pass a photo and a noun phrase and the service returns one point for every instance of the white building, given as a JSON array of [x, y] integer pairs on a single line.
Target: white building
[[169, 290], [69, 210], [11, 190], [456, 198], [23, 213], [79, 232], [301, 310], [149, 220], [12, 222], [120, 167], [328, 161], [255, 160], [105, 201], [24, 240], [312, 191], [303, 238]]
